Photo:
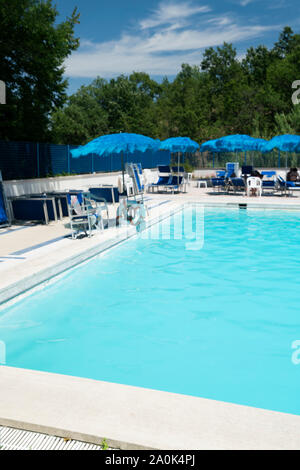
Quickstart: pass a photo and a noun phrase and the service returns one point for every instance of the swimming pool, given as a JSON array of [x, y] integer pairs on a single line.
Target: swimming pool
[[216, 322]]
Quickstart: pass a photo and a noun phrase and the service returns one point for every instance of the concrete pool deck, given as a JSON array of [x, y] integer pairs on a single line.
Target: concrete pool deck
[[136, 418], [128, 417]]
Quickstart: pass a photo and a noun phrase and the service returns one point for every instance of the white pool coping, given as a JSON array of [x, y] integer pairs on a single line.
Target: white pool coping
[[136, 418], [132, 417]]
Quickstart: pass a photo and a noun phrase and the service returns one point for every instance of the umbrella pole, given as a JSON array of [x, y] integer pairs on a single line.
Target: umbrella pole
[[286, 172], [178, 162], [123, 171]]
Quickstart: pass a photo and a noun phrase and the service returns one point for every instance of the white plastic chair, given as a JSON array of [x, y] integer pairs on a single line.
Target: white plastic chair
[[254, 186]]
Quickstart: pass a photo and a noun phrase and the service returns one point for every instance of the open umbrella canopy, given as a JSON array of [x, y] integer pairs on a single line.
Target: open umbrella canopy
[[238, 143], [210, 146], [117, 143], [233, 143], [179, 144], [285, 143]]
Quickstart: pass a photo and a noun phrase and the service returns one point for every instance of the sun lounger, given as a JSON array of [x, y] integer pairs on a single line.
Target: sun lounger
[[236, 184], [269, 182], [219, 180], [175, 184], [287, 187]]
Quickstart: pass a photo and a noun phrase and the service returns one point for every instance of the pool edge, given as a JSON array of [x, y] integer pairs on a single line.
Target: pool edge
[[133, 418]]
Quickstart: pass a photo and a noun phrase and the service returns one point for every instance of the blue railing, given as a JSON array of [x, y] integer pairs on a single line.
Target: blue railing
[[22, 160]]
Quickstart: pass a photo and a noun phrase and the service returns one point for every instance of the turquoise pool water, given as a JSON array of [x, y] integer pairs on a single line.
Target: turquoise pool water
[[217, 322]]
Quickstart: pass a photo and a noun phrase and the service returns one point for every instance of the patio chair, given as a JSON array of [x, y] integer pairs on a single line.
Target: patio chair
[[85, 214], [149, 178], [254, 186]]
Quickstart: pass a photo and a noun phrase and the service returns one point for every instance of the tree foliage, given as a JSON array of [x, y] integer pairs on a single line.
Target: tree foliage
[[33, 48], [223, 95]]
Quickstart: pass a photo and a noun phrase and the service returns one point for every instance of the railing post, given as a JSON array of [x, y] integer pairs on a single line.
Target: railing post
[[38, 159], [2, 92], [68, 158]]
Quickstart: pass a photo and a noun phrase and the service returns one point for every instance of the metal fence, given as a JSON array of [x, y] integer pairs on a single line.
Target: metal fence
[[23, 160], [273, 159]]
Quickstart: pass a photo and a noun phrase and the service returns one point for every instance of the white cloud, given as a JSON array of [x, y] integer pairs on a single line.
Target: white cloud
[[161, 43], [173, 13], [244, 3]]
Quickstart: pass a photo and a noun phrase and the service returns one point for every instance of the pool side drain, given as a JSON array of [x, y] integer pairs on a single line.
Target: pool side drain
[[243, 206]]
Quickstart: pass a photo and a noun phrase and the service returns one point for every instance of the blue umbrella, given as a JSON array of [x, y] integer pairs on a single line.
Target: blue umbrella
[[233, 143], [283, 143], [122, 143], [238, 143], [179, 145], [209, 146]]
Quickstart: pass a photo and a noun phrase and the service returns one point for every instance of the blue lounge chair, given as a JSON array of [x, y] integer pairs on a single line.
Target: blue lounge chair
[[4, 218], [247, 171], [175, 183], [219, 181], [108, 193], [136, 175], [175, 169], [162, 181], [236, 183], [232, 168], [288, 187], [269, 184], [164, 174]]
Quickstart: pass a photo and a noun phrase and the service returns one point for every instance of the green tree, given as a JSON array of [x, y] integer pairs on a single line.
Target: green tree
[[123, 104], [33, 48], [288, 123], [80, 120]]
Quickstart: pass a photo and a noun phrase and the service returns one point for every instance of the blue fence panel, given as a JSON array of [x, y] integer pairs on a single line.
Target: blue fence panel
[[18, 160], [21, 160], [81, 165], [59, 158]]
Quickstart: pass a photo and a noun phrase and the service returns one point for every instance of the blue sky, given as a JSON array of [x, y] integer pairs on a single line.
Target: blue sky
[[157, 36]]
